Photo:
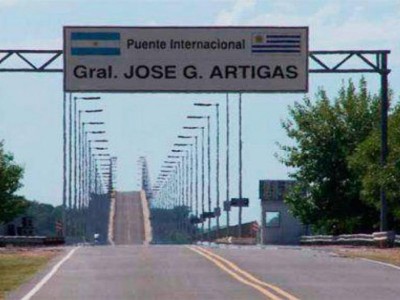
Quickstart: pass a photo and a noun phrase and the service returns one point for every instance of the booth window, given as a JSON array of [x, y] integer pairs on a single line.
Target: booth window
[[273, 218]]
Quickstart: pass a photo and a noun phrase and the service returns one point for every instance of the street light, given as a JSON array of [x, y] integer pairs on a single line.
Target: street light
[[191, 172], [87, 98], [202, 171], [208, 165], [203, 104], [97, 132], [218, 209], [94, 123]]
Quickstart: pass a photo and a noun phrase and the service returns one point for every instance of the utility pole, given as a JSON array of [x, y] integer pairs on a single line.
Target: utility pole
[[227, 165], [217, 173], [209, 176], [64, 205], [240, 166]]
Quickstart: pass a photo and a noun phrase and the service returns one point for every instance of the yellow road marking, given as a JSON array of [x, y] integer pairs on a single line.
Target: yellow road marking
[[248, 275], [236, 276]]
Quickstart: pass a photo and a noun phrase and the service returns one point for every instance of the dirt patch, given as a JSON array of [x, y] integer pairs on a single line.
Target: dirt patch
[[391, 255], [388, 255]]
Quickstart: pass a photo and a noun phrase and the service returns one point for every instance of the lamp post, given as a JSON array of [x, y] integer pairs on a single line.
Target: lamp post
[[191, 171], [75, 151], [240, 165], [196, 204], [209, 169], [186, 165], [82, 132], [227, 205], [218, 208], [202, 174], [181, 186], [88, 111]]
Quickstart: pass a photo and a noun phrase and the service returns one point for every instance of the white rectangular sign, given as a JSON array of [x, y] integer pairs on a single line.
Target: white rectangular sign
[[186, 59]]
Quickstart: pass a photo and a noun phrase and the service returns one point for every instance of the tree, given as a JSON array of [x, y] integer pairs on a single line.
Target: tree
[[366, 162], [11, 174], [44, 217], [325, 134]]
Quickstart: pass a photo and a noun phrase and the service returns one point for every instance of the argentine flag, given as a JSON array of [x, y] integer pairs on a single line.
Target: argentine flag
[[95, 43]]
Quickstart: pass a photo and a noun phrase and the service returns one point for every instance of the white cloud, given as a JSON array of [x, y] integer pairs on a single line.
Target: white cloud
[[232, 15], [333, 25], [7, 3]]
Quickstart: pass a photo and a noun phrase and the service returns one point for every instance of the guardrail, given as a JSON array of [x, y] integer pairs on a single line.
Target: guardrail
[[30, 241], [381, 239]]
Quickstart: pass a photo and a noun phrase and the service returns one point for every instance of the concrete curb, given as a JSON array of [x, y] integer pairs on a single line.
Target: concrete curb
[[148, 235], [111, 220]]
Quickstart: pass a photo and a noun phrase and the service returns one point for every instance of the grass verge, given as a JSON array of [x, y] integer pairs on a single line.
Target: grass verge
[[391, 255], [18, 266]]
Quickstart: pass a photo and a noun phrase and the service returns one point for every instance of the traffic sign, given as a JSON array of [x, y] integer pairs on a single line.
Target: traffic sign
[[208, 215], [227, 205], [244, 202], [186, 59]]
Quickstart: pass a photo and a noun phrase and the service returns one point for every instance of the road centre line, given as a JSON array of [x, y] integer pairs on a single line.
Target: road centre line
[[48, 276], [248, 275], [262, 290]]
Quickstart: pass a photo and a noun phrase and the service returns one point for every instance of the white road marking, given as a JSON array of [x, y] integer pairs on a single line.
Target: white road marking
[[46, 278], [382, 263]]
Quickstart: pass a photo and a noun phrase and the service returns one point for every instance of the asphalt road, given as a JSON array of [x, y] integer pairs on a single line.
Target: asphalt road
[[128, 222], [179, 272]]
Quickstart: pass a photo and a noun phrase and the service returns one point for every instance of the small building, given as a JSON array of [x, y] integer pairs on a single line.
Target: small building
[[278, 225]]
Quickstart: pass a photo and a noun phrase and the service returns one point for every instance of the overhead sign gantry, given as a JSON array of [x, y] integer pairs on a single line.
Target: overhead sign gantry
[[372, 61], [186, 59]]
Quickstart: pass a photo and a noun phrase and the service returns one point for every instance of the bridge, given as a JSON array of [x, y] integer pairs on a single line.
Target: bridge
[[132, 267], [158, 243]]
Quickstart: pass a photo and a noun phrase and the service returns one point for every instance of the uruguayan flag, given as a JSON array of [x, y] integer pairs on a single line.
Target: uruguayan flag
[[95, 43], [275, 43]]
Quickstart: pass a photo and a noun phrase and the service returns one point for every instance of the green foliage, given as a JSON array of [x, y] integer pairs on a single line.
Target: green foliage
[[44, 217], [366, 162], [326, 133], [10, 181]]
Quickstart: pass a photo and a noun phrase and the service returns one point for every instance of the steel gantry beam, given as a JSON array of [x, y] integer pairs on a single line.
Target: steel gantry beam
[[30, 61], [371, 59]]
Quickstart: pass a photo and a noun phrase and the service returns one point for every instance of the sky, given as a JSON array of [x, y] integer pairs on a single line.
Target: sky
[[148, 124]]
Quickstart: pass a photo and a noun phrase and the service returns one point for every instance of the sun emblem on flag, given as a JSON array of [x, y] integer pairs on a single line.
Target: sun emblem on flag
[[258, 38]]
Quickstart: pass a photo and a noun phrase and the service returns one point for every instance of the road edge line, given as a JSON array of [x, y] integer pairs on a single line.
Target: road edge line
[[381, 263], [251, 277], [48, 276], [262, 290]]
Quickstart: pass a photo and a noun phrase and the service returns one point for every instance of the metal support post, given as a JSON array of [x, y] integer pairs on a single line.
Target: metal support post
[[240, 165], [227, 162], [217, 171], [384, 142]]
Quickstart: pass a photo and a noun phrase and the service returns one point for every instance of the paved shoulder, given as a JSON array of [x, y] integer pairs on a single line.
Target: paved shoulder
[[311, 274]]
